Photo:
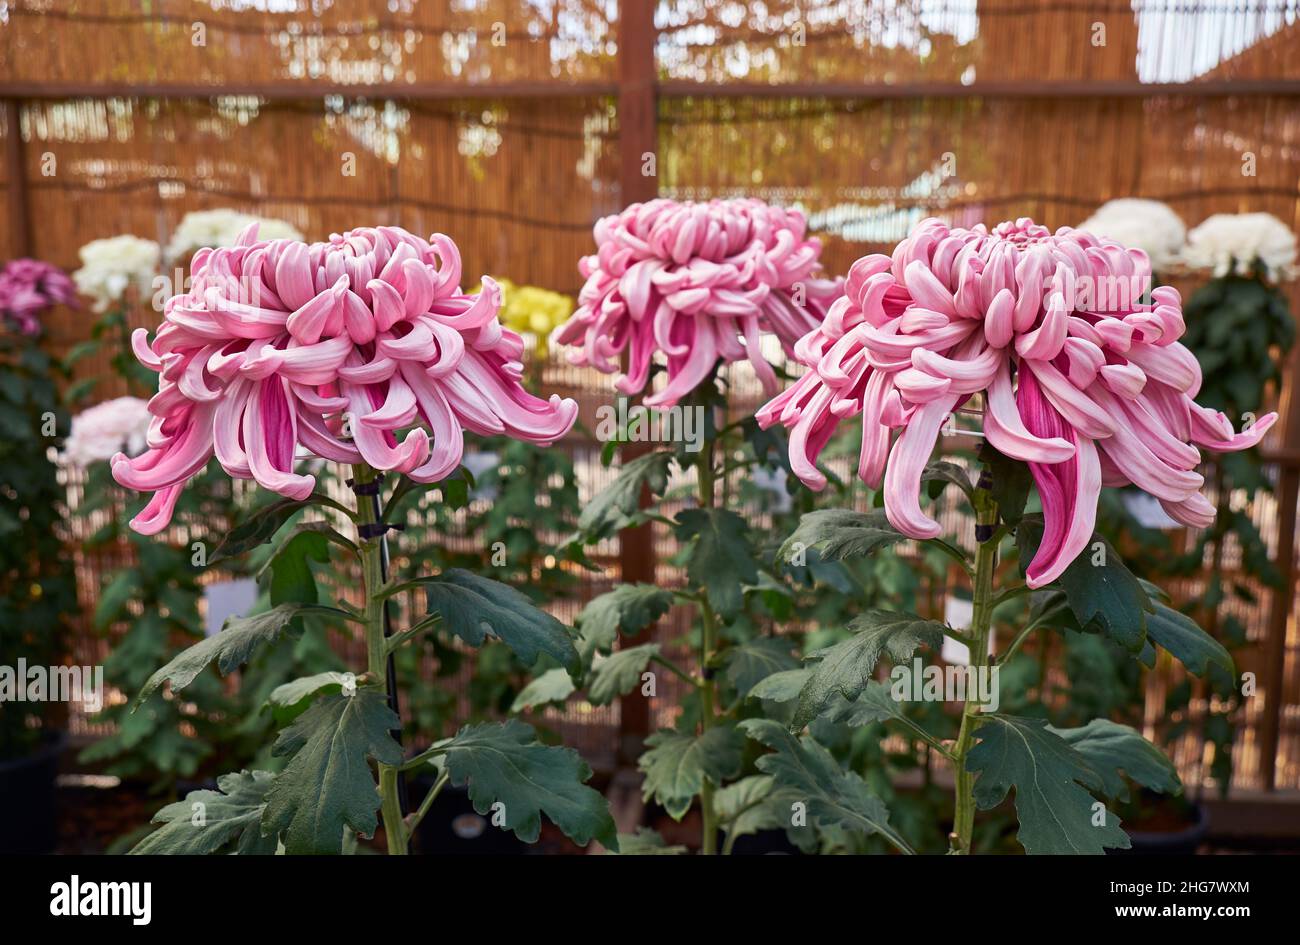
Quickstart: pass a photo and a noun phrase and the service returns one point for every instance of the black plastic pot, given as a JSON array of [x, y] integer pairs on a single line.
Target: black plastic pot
[[453, 826], [27, 802], [1171, 843]]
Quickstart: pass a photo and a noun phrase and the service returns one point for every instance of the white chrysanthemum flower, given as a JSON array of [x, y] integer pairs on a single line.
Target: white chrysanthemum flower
[[1232, 242], [101, 432], [1148, 225], [109, 267], [215, 228]]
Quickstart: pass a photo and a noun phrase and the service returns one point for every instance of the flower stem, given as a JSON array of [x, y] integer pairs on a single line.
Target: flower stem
[[372, 570], [986, 563], [708, 687]]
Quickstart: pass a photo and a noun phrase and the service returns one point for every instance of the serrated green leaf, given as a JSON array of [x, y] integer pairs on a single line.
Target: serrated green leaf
[[750, 663], [646, 842], [1055, 811], [720, 559], [746, 807], [207, 821], [1190, 645], [1111, 748], [834, 797], [503, 762], [847, 667], [620, 672], [327, 783], [474, 608], [840, 533], [233, 645], [781, 687], [259, 528], [942, 473], [875, 703], [627, 609], [554, 685], [1104, 595], [676, 764], [290, 700], [615, 507]]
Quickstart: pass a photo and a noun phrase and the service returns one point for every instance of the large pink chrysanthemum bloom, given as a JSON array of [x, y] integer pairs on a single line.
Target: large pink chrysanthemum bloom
[[332, 348], [1079, 379], [28, 287], [699, 282]]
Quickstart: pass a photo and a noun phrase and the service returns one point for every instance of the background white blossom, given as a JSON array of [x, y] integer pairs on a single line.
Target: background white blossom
[[100, 432], [214, 228], [1232, 242], [109, 267], [1148, 225]]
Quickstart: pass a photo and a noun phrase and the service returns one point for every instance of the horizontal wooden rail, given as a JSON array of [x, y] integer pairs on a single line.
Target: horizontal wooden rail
[[281, 91]]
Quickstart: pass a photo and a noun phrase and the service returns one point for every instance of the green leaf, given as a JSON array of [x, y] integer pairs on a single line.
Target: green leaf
[[784, 686], [1010, 483], [115, 596], [327, 783], [292, 699], [474, 608], [720, 559], [233, 646], [554, 685], [259, 528], [619, 672], [750, 663], [847, 667], [206, 821], [942, 473], [676, 764], [616, 506], [503, 762], [1110, 748], [292, 578], [746, 807], [627, 609], [646, 842], [1103, 595], [1189, 644], [1055, 812], [835, 797], [875, 703], [840, 533]]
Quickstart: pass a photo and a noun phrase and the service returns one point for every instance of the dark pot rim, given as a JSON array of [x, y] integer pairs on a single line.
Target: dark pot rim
[[53, 744], [1197, 828]]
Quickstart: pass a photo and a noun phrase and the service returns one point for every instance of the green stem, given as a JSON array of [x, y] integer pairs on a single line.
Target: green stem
[[377, 656], [414, 820], [986, 562], [708, 687]]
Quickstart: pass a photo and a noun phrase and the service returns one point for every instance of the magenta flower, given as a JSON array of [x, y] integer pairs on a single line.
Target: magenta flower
[[28, 287], [1078, 378], [332, 349], [699, 282]]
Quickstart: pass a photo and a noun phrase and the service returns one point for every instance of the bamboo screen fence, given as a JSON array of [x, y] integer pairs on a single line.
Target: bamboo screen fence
[[514, 125]]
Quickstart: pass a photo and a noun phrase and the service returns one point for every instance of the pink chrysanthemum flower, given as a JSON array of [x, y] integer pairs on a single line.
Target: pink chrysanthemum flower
[[332, 348], [1079, 379], [28, 287], [699, 282]]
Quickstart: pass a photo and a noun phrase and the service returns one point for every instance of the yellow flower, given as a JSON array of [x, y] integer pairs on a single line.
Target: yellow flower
[[531, 310]]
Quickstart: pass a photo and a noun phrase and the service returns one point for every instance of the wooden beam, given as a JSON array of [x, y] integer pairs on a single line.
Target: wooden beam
[[633, 75], [1279, 618], [638, 135], [19, 218], [289, 91], [1061, 89]]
